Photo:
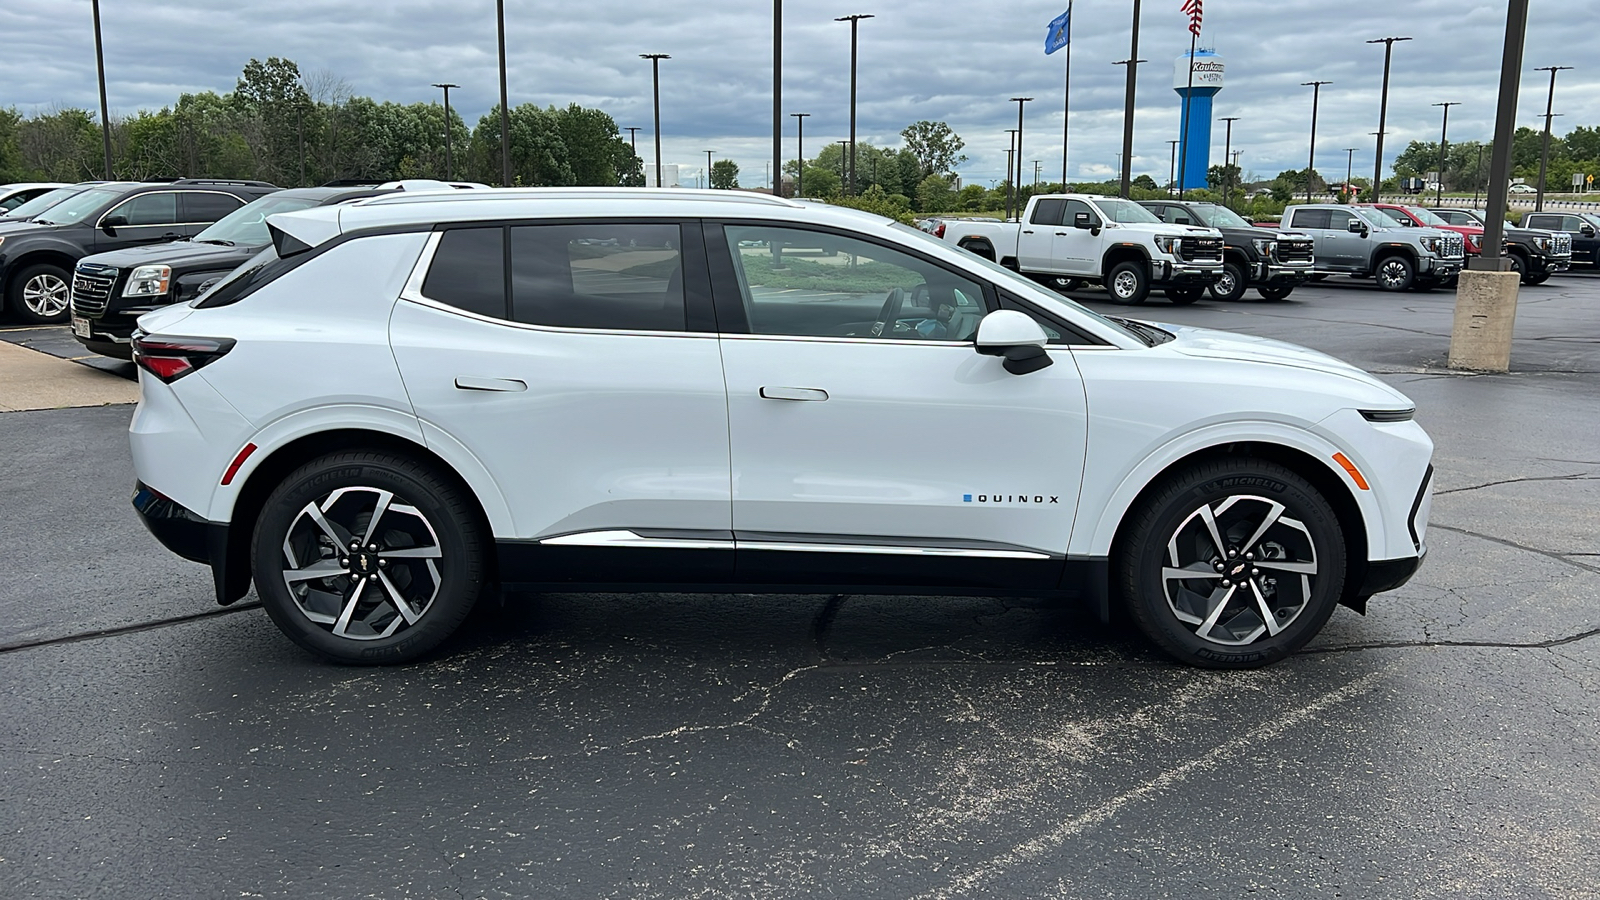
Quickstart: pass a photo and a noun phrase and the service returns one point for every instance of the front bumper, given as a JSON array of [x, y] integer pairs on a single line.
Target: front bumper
[[1278, 275], [1180, 272], [1440, 268]]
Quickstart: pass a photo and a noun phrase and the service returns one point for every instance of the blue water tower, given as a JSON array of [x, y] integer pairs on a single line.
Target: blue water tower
[[1196, 147]]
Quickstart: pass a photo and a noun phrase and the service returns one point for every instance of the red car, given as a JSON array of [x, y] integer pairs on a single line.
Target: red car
[[1416, 215]]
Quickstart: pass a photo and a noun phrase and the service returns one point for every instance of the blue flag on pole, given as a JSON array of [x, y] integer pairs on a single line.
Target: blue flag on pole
[[1057, 37]]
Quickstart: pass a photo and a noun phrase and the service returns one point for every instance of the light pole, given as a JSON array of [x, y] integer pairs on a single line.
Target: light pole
[[800, 149], [1036, 175], [1132, 62], [1444, 131], [855, 23], [1383, 114], [1349, 166], [1227, 154], [633, 138], [1019, 101], [777, 98], [655, 79], [1172, 164], [105, 114], [449, 162], [844, 155], [708, 167], [1477, 176], [1011, 182], [505, 109], [1311, 163], [1544, 154]]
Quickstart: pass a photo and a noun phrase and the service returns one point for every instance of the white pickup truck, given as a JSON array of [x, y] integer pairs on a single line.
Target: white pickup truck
[[1066, 239]]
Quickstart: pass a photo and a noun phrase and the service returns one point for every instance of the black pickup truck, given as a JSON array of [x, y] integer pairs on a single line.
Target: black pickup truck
[[1535, 253], [1273, 264]]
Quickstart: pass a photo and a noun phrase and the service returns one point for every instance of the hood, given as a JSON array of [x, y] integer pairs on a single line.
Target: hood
[[1204, 343], [175, 254], [1163, 228]]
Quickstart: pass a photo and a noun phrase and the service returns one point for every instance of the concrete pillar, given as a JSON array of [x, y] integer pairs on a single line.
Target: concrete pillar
[[1486, 313]]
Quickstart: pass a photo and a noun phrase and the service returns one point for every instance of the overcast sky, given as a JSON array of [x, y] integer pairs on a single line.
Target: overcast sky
[[956, 62]]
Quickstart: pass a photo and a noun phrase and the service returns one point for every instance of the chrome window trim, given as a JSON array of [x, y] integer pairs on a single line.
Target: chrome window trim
[[176, 203]]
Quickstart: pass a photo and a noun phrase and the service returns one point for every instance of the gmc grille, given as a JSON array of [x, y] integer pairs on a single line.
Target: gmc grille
[[1295, 252], [1453, 246], [1200, 249], [1561, 244], [91, 289]]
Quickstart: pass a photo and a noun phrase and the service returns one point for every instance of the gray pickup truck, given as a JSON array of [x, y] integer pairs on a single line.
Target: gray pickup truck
[[1362, 242]]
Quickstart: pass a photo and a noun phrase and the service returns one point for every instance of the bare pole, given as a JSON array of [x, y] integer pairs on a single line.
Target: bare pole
[[100, 67], [1349, 165], [1444, 131], [708, 168], [505, 108], [855, 22], [1227, 154], [1311, 164], [1505, 125], [1544, 154], [1011, 184], [800, 148], [1132, 62], [1019, 101], [777, 98], [1383, 114], [449, 160], [655, 79], [1172, 166]]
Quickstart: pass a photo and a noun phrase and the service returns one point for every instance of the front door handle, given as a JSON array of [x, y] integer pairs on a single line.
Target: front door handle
[[792, 393], [1027, 231], [1061, 234], [171, 236], [473, 383]]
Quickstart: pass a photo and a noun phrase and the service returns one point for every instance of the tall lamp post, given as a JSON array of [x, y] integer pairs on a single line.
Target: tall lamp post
[[1172, 167], [505, 109], [105, 113], [855, 23], [844, 157], [1383, 114], [655, 79], [1544, 154], [1477, 177], [1311, 163], [800, 149], [633, 138], [708, 167], [777, 98], [1349, 166], [449, 160], [1019, 101], [1132, 62], [1444, 131], [1011, 182], [1227, 154]]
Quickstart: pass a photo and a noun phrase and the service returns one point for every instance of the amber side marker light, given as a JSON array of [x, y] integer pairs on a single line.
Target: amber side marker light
[[1350, 467]]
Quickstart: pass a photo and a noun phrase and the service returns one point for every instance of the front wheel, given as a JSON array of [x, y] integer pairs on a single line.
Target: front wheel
[[1396, 273], [1231, 286], [39, 295], [1232, 564], [367, 557], [1128, 283], [1540, 278]]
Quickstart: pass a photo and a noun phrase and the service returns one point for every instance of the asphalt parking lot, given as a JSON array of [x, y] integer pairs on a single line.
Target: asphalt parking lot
[[652, 746]]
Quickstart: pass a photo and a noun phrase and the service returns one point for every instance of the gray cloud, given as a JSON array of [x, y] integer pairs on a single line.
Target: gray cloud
[[918, 60]]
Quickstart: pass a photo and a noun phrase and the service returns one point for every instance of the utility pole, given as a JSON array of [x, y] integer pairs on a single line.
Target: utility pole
[[633, 138], [449, 161], [655, 79], [1132, 62], [1444, 131], [505, 108], [1036, 175], [1311, 164], [1544, 154], [1477, 177], [708, 167], [776, 183], [855, 22], [1011, 182], [1172, 164], [1227, 154], [1019, 101], [105, 113], [800, 148], [1349, 166], [844, 157], [1383, 114]]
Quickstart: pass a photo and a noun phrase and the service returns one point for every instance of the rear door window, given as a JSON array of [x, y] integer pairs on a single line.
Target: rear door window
[[1310, 218], [622, 276], [1048, 212], [468, 271], [158, 208], [205, 207]]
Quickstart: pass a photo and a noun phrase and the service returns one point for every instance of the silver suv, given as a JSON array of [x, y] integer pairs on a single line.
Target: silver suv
[[1359, 241]]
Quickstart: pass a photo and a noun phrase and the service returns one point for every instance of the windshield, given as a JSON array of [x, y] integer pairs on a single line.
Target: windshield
[[1394, 217], [77, 207], [1426, 216], [1124, 211], [1220, 217], [247, 225], [1373, 217], [1013, 281], [42, 202]]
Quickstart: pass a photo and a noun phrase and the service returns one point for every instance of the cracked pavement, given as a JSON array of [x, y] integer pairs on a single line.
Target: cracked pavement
[[674, 745]]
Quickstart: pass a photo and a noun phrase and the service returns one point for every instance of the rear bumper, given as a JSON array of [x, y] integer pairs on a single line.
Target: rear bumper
[[191, 536]]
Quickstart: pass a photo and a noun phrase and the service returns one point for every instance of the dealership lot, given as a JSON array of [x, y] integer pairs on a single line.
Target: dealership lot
[[694, 745]]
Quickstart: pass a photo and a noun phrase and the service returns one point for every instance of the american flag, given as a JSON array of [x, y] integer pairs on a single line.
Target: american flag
[[1193, 9]]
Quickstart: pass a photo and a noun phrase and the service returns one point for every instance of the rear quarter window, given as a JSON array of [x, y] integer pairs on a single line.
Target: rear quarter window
[[468, 271]]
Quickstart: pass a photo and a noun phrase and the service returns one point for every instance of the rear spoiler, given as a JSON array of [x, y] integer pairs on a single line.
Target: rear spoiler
[[296, 232]]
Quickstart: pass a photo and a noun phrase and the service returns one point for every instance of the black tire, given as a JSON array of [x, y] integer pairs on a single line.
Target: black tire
[[1540, 278], [1519, 266], [1231, 286], [38, 295], [1320, 276], [1128, 283], [1395, 273], [1056, 282], [445, 585], [1239, 492], [1275, 293], [1185, 295]]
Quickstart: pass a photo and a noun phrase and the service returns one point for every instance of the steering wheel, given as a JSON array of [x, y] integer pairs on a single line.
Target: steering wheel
[[890, 314]]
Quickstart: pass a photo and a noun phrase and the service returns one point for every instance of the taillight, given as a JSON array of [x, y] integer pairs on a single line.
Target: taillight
[[171, 358], [939, 231]]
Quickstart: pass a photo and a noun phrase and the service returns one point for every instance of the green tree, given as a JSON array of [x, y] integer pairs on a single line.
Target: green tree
[[934, 195], [1143, 181], [725, 175], [936, 148]]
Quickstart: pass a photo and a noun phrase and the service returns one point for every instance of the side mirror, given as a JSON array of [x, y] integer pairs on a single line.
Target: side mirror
[[1586, 230], [1357, 227], [1082, 220], [1016, 337], [110, 224]]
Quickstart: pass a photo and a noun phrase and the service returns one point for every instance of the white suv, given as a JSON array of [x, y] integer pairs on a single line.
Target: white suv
[[411, 397]]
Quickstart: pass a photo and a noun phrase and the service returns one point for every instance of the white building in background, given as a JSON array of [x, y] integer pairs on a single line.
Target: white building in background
[[669, 174]]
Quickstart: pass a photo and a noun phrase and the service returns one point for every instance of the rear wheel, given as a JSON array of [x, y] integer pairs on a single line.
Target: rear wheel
[[1128, 283], [367, 557], [39, 295], [1274, 293], [1231, 286], [1395, 273], [1232, 564], [1184, 295]]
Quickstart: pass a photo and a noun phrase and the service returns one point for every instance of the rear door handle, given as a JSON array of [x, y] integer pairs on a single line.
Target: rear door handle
[[473, 383], [792, 393]]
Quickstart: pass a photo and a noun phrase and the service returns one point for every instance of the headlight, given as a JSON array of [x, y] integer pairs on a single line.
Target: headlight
[[1541, 243], [1432, 244], [1471, 244], [149, 281], [1166, 243], [1263, 245]]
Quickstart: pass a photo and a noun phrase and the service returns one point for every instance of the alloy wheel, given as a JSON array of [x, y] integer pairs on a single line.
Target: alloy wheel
[[45, 295], [362, 563], [1392, 274], [1239, 569]]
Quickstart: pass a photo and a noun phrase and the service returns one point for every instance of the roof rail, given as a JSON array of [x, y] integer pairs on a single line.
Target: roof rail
[[235, 181], [596, 193], [352, 182]]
